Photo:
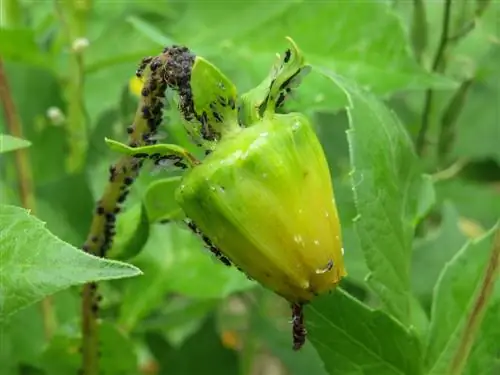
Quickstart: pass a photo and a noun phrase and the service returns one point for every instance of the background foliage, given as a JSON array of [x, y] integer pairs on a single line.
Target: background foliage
[[418, 222]]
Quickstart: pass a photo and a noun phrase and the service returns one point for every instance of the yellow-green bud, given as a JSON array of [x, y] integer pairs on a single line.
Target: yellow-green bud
[[264, 198]]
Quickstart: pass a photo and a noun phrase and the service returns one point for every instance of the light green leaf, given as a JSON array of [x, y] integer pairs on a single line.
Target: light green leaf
[[159, 199], [353, 339], [386, 184], [34, 263], [150, 31], [10, 143], [432, 253], [456, 291]]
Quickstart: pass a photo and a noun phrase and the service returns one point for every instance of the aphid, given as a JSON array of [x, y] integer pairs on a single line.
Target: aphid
[[128, 180], [146, 113], [288, 54], [112, 173]]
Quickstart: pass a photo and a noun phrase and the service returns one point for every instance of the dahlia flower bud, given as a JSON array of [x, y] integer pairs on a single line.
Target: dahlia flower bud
[[262, 199]]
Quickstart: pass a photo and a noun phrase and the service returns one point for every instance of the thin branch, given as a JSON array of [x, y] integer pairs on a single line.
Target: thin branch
[[450, 119], [480, 305], [437, 66], [419, 32], [25, 178]]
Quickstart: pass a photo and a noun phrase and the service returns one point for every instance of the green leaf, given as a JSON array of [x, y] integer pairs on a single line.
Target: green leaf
[[456, 291], [432, 253], [36, 264], [132, 232], [202, 353], [386, 184], [364, 41], [19, 45], [159, 200], [150, 31], [174, 261], [353, 339], [10, 143], [427, 198], [21, 338]]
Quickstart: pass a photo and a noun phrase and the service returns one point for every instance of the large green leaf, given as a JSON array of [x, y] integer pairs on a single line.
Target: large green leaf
[[386, 184], [35, 263], [456, 291], [353, 339], [364, 41]]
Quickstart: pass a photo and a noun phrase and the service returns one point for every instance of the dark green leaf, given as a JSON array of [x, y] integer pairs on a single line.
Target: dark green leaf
[[159, 200], [202, 353], [132, 232], [386, 183], [19, 45], [35, 263], [353, 339]]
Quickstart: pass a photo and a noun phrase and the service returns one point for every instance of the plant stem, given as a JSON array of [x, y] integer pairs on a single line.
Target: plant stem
[[74, 27], [450, 118], [122, 175], [437, 66], [25, 177], [419, 29], [479, 308]]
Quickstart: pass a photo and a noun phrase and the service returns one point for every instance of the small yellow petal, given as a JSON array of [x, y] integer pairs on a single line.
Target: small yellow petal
[[135, 85]]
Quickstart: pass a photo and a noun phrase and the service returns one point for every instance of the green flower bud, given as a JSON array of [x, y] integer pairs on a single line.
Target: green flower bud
[[264, 198]]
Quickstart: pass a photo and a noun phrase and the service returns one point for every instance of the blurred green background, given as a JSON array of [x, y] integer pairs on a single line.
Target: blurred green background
[[69, 66]]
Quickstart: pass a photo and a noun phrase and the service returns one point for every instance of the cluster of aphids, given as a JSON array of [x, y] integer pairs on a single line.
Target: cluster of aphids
[[170, 69], [286, 87], [210, 246]]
